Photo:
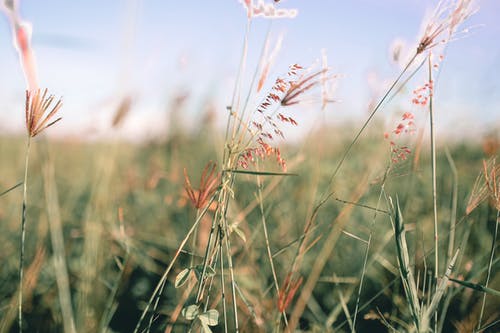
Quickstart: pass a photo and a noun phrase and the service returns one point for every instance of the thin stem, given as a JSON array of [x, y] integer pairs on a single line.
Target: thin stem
[[231, 274], [23, 234], [490, 264], [209, 242], [223, 288], [454, 203], [268, 248], [213, 263], [433, 167], [194, 240], [254, 77], [233, 107], [266, 237]]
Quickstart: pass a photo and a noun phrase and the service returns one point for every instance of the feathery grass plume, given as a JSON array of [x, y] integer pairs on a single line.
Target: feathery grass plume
[[37, 106], [267, 10], [209, 182], [487, 184], [492, 189], [442, 26], [492, 182], [264, 125], [305, 82]]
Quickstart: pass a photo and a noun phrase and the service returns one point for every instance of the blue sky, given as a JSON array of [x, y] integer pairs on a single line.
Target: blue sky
[[92, 52]]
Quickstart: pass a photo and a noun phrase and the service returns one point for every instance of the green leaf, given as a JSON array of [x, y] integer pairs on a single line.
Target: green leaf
[[182, 277], [211, 317], [190, 312]]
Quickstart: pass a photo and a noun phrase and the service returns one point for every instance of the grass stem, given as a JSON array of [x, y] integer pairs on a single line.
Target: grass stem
[[23, 235]]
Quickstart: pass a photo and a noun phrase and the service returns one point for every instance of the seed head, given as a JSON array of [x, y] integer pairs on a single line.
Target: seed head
[[442, 26], [37, 106], [487, 185], [122, 111], [208, 185], [304, 83], [267, 10]]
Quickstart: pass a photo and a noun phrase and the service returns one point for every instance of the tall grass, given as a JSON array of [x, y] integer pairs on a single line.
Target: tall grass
[[275, 236]]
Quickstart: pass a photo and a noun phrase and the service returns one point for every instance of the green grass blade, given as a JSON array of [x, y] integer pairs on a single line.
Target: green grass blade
[[441, 288], [477, 287], [404, 264]]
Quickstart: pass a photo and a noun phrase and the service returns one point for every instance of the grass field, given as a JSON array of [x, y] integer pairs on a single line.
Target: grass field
[[113, 263], [373, 225]]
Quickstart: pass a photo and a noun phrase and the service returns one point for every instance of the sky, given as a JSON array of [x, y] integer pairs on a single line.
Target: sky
[[95, 52]]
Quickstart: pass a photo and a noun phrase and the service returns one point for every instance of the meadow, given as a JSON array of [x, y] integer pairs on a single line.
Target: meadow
[[371, 225]]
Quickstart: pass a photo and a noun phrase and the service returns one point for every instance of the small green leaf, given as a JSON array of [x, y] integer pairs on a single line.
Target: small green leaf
[[190, 312], [182, 277], [211, 317]]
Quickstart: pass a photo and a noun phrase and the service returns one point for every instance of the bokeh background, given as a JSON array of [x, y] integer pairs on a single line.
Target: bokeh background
[[94, 52]]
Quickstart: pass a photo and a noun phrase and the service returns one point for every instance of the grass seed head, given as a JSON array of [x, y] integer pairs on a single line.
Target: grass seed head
[[443, 25], [209, 182], [38, 116], [267, 10]]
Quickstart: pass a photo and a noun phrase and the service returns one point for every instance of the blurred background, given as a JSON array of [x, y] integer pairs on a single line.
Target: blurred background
[[94, 53]]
